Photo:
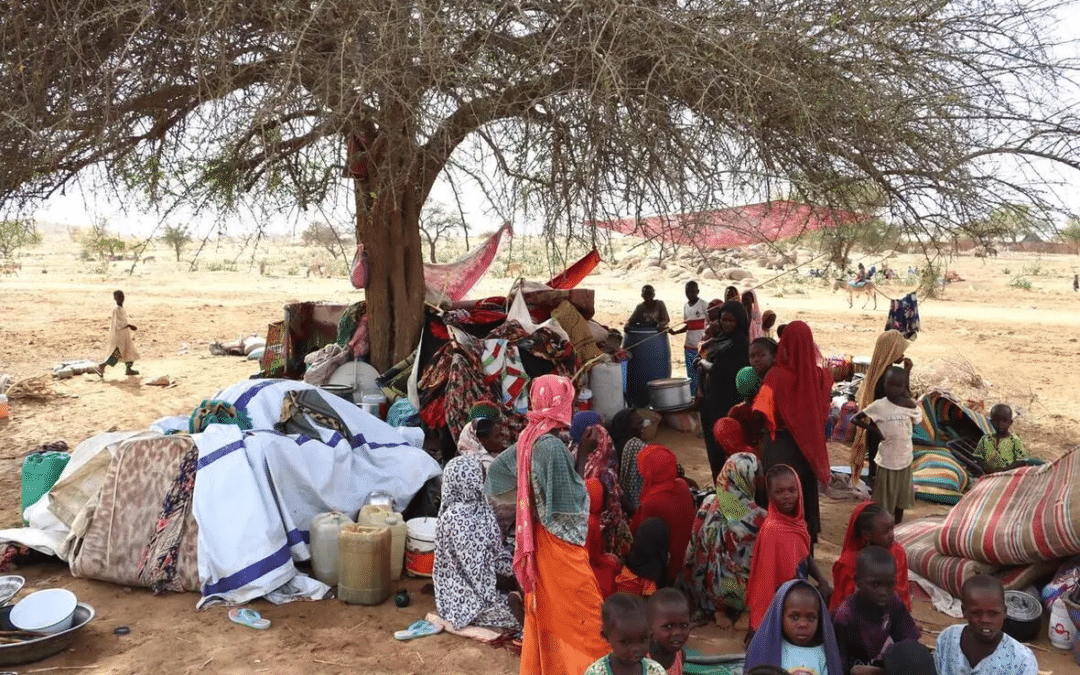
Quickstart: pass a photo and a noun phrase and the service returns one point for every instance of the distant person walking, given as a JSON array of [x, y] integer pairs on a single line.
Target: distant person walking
[[1076, 282], [121, 347]]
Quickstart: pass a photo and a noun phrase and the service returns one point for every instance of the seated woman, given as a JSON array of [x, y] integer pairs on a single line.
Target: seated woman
[[666, 496], [625, 429], [716, 568], [472, 572], [595, 452], [606, 566], [480, 437]]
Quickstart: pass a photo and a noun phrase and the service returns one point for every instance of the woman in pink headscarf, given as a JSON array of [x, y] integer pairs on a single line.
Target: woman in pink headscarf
[[551, 563]]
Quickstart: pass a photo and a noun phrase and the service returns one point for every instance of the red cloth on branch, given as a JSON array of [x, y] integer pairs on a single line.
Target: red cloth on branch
[[576, 273]]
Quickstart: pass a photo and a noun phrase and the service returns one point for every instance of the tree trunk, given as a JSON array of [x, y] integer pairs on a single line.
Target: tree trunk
[[388, 224]]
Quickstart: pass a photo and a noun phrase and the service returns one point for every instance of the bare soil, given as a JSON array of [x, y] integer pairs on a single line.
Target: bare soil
[[987, 340]]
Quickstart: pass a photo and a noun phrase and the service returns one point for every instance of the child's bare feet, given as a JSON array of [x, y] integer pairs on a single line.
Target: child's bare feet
[[743, 622], [722, 619]]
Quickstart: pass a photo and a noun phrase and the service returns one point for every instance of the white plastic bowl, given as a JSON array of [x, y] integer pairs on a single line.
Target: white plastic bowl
[[48, 611]]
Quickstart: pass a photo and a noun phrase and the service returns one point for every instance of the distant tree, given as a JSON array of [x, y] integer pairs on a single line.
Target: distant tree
[[176, 236], [100, 244], [17, 234], [437, 222], [573, 110], [1071, 233], [321, 233]]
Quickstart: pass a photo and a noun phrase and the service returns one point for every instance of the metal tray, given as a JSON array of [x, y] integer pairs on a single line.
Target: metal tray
[[42, 647]]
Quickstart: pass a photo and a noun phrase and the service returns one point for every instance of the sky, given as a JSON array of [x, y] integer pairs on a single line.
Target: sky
[[83, 208]]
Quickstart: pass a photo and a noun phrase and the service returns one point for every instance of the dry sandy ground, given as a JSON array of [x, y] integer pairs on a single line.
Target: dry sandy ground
[[1021, 343]]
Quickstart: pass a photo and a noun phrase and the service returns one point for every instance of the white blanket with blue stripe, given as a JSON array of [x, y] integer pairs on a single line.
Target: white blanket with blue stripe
[[257, 491]]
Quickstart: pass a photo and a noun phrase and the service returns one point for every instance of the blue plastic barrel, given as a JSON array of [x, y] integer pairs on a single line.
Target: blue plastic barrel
[[650, 359]]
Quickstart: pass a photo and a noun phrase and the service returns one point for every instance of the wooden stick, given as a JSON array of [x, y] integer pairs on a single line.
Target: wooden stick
[[45, 670], [330, 663]]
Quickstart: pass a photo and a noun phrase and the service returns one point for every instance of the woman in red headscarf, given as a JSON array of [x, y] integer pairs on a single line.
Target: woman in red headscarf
[[562, 599], [666, 496], [795, 398]]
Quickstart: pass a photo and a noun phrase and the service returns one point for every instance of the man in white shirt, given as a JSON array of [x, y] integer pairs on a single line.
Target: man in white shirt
[[695, 314]]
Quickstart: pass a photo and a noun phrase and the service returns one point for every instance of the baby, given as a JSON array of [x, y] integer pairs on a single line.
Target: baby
[[626, 629]]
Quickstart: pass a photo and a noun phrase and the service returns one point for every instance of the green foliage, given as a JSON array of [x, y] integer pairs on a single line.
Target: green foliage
[[17, 234], [1034, 269], [99, 246], [177, 237], [1021, 282]]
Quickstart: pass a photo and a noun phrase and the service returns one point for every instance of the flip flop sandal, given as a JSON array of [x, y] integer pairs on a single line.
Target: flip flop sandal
[[248, 617], [421, 628]]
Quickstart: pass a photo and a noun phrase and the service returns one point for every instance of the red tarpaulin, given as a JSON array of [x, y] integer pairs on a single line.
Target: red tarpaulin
[[576, 273], [451, 279], [737, 226]]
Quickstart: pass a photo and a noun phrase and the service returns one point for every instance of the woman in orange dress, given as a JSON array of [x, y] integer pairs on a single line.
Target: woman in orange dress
[[562, 599]]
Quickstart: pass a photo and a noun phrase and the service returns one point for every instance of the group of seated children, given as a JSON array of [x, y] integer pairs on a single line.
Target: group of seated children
[[871, 632], [645, 638]]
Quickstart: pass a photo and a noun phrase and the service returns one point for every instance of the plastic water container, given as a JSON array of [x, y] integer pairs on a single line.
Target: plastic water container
[[1061, 630], [381, 516], [40, 471], [420, 546], [363, 564], [606, 385], [5, 407], [325, 530]]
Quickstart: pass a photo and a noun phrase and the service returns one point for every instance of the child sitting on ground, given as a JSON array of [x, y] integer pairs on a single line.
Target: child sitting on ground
[[796, 633], [872, 619], [669, 614], [869, 524], [1000, 450], [626, 628], [892, 418], [646, 564], [782, 548], [979, 646]]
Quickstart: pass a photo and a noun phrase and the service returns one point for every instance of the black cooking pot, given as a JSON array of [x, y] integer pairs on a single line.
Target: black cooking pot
[[1023, 616]]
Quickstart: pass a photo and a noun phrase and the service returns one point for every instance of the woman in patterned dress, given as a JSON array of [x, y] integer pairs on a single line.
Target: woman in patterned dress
[[717, 564], [472, 572]]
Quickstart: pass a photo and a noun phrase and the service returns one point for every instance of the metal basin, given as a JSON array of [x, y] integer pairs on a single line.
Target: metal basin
[[670, 393], [46, 645]]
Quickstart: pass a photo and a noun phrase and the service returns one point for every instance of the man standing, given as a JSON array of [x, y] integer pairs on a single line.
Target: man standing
[[695, 313], [121, 347]]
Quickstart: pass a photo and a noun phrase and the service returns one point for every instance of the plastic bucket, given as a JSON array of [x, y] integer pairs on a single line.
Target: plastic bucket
[[420, 546], [375, 404], [40, 471], [584, 400]]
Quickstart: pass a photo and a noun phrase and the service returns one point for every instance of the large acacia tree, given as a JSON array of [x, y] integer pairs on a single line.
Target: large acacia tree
[[583, 106]]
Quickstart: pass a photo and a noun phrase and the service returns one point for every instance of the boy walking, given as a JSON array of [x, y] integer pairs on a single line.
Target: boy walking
[[121, 347]]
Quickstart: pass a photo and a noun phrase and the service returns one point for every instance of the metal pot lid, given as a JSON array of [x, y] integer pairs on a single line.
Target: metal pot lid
[[669, 382], [1022, 607]]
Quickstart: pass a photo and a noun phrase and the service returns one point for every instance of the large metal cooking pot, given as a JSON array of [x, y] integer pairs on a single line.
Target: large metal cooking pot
[[670, 393]]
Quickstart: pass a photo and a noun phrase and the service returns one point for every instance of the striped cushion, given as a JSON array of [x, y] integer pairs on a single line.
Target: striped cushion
[[938, 476], [919, 539], [1020, 516]]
